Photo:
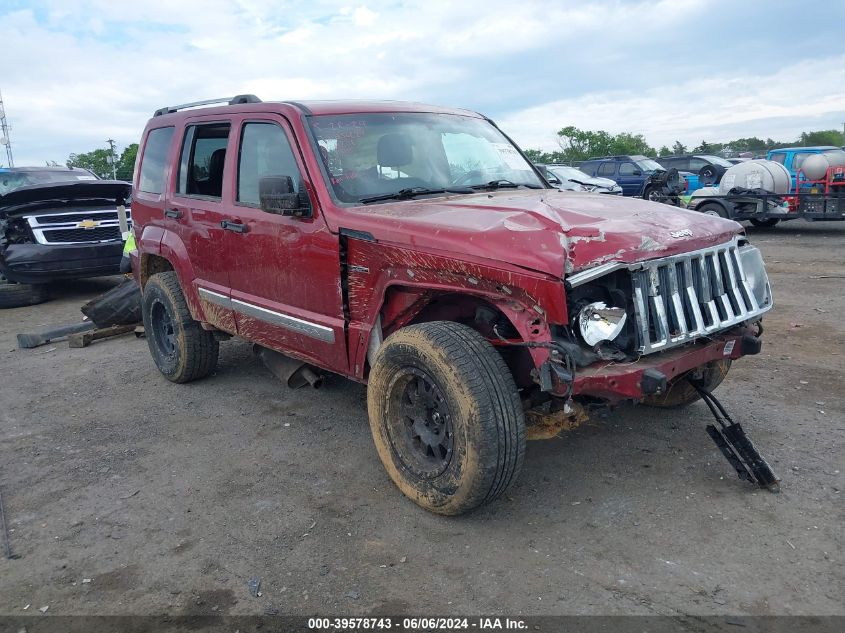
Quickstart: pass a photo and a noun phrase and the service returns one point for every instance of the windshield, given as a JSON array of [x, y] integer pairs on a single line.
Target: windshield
[[10, 180], [646, 164], [374, 155], [569, 173], [717, 160]]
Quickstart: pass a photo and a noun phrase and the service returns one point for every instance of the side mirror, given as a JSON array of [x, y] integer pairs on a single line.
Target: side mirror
[[637, 172], [276, 195]]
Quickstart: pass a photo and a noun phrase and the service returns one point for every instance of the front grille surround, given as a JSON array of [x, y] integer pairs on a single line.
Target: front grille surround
[[63, 228], [680, 298]]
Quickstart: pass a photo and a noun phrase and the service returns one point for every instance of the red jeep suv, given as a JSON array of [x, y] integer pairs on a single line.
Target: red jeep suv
[[415, 249]]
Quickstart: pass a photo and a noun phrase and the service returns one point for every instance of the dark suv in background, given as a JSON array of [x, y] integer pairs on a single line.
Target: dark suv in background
[[56, 223], [709, 168], [632, 173]]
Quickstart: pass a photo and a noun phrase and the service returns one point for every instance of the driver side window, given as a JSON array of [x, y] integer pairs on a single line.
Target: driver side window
[[627, 169], [264, 152]]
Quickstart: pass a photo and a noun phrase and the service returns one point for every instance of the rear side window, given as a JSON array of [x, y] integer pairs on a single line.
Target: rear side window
[[606, 170], [264, 153], [798, 160], [203, 158], [154, 159], [778, 158]]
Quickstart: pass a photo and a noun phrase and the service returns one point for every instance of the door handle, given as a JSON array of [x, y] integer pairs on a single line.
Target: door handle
[[173, 213], [237, 227]]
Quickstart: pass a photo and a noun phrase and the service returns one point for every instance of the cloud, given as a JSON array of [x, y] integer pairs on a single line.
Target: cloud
[[76, 75], [719, 108]]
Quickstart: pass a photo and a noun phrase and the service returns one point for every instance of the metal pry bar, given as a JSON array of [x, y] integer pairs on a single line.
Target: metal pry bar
[[735, 445]]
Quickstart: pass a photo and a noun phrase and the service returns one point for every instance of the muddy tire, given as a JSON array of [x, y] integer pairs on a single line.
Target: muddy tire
[[14, 295], [445, 416], [181, 349], [679, 393]]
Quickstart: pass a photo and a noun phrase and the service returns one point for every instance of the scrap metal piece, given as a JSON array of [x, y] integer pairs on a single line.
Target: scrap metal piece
[[28, 340]]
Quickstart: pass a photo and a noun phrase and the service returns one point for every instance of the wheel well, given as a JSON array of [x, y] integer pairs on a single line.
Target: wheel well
[[479, 314], [152, 264]]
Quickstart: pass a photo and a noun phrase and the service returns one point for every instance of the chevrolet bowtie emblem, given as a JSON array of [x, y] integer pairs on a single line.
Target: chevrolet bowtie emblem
[[88, 224]]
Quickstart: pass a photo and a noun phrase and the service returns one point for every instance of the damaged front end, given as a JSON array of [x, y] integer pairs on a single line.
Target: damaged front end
[[637, 331], [62, 230]]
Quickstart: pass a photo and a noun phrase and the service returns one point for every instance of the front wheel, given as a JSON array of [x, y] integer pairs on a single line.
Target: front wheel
[[181, 349], [445, 416]]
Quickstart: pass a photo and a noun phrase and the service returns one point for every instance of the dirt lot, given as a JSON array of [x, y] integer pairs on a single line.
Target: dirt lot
[[169, 498]]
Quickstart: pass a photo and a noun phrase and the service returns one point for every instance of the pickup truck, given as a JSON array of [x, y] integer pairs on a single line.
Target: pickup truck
[[793, 158], [414, 248]]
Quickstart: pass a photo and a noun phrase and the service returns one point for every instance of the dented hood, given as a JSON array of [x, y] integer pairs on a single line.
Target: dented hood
[[71, 190], [549, 231]]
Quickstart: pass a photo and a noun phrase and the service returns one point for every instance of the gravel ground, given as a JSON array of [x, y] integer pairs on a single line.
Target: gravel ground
[[126, 494]]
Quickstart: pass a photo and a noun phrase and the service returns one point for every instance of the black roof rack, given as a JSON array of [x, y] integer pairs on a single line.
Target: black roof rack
[[236, 100]]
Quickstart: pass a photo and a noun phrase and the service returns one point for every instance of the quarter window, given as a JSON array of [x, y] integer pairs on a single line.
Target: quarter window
[[606, 170], [153, 161], [265, 152], [203, 158]]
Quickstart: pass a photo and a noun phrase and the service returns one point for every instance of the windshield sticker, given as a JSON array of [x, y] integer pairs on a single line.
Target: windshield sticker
[[85, 178], [511, 157]]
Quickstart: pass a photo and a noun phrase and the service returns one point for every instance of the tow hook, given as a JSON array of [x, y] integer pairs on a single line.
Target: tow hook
[[735, 444]]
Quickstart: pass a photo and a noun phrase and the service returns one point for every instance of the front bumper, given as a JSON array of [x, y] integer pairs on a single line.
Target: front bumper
[[615, 382], [42, 263]]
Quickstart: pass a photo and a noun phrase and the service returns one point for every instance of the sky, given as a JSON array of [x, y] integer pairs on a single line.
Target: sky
[[75, 73]]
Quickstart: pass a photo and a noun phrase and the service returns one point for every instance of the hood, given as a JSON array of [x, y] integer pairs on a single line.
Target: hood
[[72, 190], [600, 182], [547, 231]]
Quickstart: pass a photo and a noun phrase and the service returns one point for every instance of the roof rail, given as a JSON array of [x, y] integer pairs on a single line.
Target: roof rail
[[236, 100]]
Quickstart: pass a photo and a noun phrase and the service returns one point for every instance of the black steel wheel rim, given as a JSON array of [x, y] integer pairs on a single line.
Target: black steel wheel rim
[[164, 331], [419, 423]]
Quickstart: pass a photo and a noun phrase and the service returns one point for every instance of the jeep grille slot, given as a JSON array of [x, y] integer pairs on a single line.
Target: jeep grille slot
[[684, 297]]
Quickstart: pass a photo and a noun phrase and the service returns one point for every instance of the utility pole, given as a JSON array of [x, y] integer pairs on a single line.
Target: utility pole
[[4, 134], [112, 159]]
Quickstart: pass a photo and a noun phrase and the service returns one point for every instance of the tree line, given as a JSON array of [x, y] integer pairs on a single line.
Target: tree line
[[98, 161], [577, 145]]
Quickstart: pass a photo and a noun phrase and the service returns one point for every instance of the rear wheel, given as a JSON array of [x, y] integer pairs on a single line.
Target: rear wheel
[[181, 349], [764, 223], [15, 295], [445, 416], [679, 393]]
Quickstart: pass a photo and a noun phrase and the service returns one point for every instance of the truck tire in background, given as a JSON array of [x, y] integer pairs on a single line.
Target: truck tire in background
[[181, 349], [15, 295], [446, 417], [712, 208], [710, 175], [764, 223]]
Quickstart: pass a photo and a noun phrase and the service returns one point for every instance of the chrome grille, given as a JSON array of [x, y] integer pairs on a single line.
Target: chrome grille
[[77, 227], [683, 297]]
